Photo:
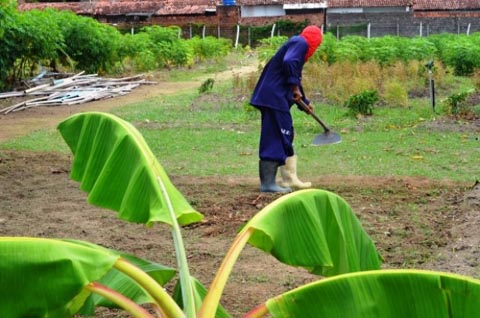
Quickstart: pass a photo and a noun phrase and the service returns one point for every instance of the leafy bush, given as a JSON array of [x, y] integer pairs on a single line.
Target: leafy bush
[[362, 103], [460, 52], [455, 103], [206, 86], [29, 38], [350, 49], [384, 50], [154, 47], [50, 36], [464, 57], [133, 44], [7, 43], [91, 44], [145, 61], [417, 48], [39, 37], [269, 46], [326, 51], [209, 47], [168, 48]]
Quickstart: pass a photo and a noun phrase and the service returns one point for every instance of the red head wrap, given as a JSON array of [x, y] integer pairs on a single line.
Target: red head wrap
[[313, 35]]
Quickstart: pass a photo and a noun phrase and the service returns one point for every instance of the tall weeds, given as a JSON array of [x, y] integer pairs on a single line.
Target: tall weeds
[[335, 83]]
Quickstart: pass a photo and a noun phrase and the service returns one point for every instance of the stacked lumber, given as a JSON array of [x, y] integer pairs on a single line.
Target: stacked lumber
[[72, 90]]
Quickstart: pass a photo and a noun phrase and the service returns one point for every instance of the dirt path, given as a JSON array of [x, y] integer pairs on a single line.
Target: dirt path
[[16, 124]]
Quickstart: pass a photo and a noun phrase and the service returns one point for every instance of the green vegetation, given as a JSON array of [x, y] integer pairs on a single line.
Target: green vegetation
[[61, 40], [187, 130], [324, 237], [362, 103], [210, 131], [455, 103], [459, 52], [403, 137]]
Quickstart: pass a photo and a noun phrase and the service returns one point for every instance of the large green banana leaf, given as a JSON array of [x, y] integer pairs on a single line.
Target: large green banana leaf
[[315, 229], [116, 167], [41, 277], [383, 294]]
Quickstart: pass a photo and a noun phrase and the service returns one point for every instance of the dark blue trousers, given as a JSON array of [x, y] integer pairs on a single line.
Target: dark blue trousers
[[276, 137]]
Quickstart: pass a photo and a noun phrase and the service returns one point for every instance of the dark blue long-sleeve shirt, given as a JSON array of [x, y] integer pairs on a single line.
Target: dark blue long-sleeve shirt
[[274, 88]]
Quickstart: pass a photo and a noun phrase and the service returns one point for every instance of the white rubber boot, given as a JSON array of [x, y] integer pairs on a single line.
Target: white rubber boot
[[289, 175]]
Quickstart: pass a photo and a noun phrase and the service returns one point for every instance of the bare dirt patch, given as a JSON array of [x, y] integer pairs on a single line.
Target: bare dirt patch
[[415, 222]]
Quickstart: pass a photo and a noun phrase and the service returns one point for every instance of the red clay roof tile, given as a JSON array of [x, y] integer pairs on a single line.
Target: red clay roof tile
[[184, 7], [368, 3], [446, 4]]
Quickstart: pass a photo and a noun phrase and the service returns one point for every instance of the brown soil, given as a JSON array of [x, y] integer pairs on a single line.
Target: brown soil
[[416, 222]]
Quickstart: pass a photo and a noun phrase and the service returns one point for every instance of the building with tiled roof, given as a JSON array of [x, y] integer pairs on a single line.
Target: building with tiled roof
[[348, 16], [367, 17], [434, 5], [453, 16], [368, 3]]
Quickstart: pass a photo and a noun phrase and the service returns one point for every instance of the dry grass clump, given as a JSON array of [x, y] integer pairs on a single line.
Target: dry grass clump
[[337, 82]]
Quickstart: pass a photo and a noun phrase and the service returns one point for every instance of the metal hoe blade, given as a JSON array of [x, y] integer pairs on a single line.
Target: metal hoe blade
[[327, 138]]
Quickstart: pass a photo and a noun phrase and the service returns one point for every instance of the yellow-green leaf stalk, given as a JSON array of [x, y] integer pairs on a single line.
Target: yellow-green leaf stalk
[[185, 278], [257, 312], [211, 301], [122, 301], [157, 292]]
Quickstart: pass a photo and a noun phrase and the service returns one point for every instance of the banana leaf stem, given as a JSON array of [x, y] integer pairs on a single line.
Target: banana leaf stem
[[212, 299], [182, 263], [125, 303], [157, 292], [257, 312]]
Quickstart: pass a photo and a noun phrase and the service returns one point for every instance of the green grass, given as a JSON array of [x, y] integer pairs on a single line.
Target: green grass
[[40, 140], [213, 134]]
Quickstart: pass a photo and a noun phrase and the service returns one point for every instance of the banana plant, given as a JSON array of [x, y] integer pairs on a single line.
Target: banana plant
[[329, 238], [313, 229]]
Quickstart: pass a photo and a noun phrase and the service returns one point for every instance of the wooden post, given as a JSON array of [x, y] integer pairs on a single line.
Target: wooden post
[[273, 31], [238, 36]]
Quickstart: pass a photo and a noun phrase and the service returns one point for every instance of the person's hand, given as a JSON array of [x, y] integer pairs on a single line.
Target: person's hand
[[297, 95], [310, 109]]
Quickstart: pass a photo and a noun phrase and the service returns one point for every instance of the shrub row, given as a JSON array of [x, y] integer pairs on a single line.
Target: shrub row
[[461, 52], [32, 39]]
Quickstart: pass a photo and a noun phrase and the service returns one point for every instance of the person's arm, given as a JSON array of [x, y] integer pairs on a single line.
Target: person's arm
[[292, 65], [293, 62]]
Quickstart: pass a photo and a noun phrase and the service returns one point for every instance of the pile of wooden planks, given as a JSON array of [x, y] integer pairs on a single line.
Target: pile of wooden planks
[[72, 90]]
